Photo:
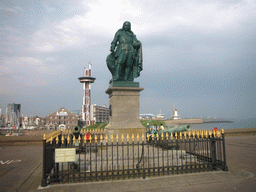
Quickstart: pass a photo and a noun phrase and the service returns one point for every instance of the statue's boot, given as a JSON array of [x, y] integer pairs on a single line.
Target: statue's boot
[[127, 74]]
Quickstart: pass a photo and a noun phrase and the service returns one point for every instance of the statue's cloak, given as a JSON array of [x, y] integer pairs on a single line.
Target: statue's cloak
[[137, 66]]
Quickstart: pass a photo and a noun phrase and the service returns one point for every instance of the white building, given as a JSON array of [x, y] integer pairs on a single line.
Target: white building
[[175, 114], [160, 116]]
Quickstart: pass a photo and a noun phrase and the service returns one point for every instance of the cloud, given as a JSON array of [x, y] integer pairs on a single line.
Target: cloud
[[29, 71], [15, 9], [103, 18], [185, 43]]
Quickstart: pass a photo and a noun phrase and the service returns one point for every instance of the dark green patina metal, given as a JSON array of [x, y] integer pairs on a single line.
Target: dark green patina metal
[[125, 60], [178, 129]]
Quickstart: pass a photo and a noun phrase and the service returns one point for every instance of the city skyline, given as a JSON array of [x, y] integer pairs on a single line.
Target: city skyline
[[199, 55]]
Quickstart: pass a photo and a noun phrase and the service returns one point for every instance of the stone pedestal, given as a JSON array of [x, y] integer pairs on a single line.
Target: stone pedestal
[[124, 103]]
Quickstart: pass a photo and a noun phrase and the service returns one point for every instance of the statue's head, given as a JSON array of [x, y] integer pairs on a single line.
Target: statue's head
[[127, 26]]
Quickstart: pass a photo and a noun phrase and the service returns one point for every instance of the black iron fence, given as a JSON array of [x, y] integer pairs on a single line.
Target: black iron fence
[[92, 157]]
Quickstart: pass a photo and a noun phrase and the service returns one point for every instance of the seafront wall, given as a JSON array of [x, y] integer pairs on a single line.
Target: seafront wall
[[183, 121], [241, 131]]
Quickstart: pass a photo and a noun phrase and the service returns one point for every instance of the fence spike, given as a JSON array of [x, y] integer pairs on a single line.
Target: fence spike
[[117, 138], [68, 139], [51, 140], [153, 136], [122, 137], [143, 137], [133, 137], [138, 137], [185, 135], [157, 136], [222, 131], [147, 137], [171, 136], [74, 138], [44, 137], [218, 134], [62, 139], [90, 138], [101, 138], [57, 139], [194, 135], [212, 133], [106, 138], [85, 138], [189, 134], [112, 138], [95, 138], [127, 139], [176, 135], [79, 139], [167, 135]]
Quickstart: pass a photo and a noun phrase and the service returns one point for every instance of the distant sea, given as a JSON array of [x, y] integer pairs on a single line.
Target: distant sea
[[237, 123]]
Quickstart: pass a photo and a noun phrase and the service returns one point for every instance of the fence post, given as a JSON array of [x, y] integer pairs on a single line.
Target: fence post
[[225, 167], [213, 152], [43, 182]]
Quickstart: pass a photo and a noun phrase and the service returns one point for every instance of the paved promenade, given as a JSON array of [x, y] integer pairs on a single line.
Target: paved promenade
[[241, 160]]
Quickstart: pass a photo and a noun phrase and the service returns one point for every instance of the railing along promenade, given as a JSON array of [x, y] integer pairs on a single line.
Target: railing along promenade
[[95, 156]]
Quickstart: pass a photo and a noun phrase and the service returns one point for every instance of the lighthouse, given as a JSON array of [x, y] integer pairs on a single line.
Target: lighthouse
[[175, 113], [86, 80]]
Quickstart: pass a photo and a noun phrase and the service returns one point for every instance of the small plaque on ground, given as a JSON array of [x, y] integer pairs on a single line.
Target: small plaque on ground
[[65, 155]]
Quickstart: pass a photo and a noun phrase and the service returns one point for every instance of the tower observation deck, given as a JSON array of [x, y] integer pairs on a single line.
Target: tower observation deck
[[86, 80]]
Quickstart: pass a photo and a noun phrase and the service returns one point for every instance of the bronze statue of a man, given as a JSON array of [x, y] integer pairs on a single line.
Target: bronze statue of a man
[[125, 60]]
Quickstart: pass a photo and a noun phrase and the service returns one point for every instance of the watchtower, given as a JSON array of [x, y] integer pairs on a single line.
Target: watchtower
[[86, 80]]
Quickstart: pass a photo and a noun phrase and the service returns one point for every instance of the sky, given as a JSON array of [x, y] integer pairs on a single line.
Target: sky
[[197, 55]]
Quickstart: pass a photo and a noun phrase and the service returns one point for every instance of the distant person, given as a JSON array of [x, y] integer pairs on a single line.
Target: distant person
[[148, 126], [151, 130], [162, 127], [156, 129]]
